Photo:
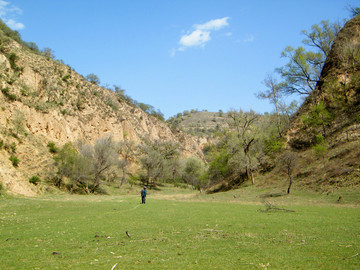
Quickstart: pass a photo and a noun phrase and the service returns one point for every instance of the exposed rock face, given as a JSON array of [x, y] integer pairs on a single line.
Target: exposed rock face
[[45, 101]]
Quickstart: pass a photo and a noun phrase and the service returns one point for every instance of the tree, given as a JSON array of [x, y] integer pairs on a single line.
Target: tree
[[273, 94], [158, 159], [87, 166], [65, 162], [354, 11], [322, 36], [152, 162], [32, 46], [318, 116], [104, 157], [320, 148], [194, 173], [118, 90], [49, 53], [243, 124], [93, 78], [303, 70], [288, 163]]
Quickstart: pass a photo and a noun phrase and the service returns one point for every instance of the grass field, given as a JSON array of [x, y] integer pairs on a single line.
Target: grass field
[[180, 231]]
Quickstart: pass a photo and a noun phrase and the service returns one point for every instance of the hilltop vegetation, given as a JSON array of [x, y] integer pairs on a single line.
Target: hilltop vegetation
[[199, 123]]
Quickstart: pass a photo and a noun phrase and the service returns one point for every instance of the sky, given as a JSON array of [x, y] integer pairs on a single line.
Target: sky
[[175, 55]]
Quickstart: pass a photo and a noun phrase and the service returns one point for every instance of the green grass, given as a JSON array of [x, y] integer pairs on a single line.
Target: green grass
[[197, 232]]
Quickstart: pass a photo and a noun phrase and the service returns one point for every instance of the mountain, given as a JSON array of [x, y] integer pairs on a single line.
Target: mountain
[[42, 100]]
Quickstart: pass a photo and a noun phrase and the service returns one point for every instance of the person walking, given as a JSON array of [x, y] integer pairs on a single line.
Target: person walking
[[143, 195]]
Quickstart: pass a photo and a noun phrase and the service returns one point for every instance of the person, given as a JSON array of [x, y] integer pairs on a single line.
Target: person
[[143, 195]]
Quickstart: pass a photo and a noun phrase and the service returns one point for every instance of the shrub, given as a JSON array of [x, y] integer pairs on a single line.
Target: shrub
[[274, 145], [8, 95], [52, 147], [1, 144], [14, 160], [1, 187], [35, 180], [13, 147], [12, 60], [357, 119]]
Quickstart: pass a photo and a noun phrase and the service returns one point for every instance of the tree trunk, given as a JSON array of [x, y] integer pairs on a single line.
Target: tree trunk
[[290, 183], [250, 175]]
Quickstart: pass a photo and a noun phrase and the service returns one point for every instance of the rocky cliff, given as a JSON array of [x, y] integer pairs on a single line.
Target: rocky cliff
[[44, 101]]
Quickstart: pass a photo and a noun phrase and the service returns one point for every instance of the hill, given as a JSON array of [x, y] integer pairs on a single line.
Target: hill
[[326, 129], [42, 100], [199, 123]]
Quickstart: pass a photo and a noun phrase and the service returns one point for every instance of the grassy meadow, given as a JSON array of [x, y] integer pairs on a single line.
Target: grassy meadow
[[180, 229]]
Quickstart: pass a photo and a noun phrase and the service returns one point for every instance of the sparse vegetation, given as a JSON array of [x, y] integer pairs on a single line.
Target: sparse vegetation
[[14, 160], [8, 95], [94, 79], [52, 147], [35, 180]]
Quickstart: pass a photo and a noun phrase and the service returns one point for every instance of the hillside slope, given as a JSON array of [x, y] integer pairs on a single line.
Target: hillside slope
[[332, 111], [44, 101]]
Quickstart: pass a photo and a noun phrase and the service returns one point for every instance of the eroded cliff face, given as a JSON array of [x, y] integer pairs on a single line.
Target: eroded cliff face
[[45, 101]]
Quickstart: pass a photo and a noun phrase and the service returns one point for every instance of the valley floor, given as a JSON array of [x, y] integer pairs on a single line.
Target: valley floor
[[181, 229]]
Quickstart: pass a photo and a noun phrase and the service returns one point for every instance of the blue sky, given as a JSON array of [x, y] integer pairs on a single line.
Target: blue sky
[[175, 55]]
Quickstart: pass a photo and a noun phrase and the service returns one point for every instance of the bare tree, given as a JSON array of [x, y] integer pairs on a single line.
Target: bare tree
[[104, 157], [273, 94], [288, 163]]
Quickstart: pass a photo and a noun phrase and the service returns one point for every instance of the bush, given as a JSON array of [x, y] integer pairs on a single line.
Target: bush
[[14, 160], [13, 147], [1, 144], [8, 95], [52, 148], [35, 180]]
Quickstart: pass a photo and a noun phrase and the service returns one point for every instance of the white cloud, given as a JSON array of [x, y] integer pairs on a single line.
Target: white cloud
[[201, 35], [195, 38], [213, 24], [15, 25], [3, 3], [8, 13], [248, 38]]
